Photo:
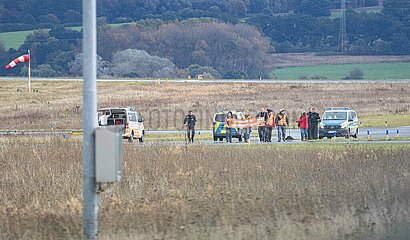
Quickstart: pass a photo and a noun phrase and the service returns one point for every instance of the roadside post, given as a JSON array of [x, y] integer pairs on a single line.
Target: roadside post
[[29, 71], [90, 195], [387, 135]]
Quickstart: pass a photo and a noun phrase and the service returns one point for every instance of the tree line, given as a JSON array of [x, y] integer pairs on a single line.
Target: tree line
[[368, 33], [210, 46], [35, 14], [169, 50]]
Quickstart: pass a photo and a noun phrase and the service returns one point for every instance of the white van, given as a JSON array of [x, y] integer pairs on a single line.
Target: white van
[[133, 123]]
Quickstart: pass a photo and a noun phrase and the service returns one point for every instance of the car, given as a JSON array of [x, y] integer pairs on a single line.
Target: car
[[342, 121], [218, 125], [133, 123]]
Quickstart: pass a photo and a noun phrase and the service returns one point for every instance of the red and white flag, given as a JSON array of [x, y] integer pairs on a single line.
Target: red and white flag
[[22, 58]]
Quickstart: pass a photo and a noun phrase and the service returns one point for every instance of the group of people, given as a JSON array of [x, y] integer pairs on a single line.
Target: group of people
[[308, 124], [266, 120]]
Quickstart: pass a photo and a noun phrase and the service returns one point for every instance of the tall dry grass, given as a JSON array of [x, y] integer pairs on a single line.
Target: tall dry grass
[[211, 192], [58, 105]]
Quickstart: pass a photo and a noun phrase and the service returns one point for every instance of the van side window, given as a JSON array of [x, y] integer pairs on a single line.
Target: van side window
[[350, 116], [354, 116], [132, 117]]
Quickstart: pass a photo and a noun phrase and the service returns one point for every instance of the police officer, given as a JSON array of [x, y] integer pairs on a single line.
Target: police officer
[[189, 122], [313, 121]]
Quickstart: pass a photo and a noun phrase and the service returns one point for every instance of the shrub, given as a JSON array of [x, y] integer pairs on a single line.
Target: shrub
[[45, 70], [209, 72], [354, 74], [318, 77], [234, 74], [139, 63]]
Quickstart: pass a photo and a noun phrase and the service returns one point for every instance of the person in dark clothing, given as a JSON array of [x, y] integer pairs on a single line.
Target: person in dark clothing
[[189, 122], [309, 114], [261, 117], [269, 125], [313, 121]]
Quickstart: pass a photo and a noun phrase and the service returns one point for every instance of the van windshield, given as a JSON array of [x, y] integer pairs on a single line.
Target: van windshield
[[335, 116], [222, 116]]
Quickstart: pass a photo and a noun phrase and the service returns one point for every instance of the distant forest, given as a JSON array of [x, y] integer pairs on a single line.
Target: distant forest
[[218, 38], [43, 12]]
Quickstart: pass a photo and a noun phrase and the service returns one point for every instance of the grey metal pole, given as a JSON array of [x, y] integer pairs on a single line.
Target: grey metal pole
[[90, 196]]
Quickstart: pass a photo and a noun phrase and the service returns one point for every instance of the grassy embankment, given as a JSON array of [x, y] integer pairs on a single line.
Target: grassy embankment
[[392, 120], [372, 71], [57, 104], [211, 192]]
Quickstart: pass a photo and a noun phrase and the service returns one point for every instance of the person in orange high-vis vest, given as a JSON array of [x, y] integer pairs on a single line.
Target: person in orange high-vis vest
[[282, 121], [269, 125], [261, 119], [229, 122], [247, 130]]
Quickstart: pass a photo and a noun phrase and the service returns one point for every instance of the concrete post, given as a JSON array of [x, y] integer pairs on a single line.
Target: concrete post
[[90, 201]]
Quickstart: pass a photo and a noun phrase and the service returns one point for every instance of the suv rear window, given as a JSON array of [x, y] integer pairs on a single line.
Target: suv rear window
[[222, 116]]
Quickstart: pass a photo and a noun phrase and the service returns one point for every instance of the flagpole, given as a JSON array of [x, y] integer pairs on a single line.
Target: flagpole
[[29, 71]]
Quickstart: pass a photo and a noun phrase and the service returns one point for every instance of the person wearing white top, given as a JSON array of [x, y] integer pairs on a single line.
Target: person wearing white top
[[104, 118]]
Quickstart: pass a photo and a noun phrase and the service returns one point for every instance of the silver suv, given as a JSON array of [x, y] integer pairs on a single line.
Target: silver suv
[[342, 121]]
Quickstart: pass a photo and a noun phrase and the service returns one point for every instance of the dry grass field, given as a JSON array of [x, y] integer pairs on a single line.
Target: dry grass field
[[58, 104], [210, 192]]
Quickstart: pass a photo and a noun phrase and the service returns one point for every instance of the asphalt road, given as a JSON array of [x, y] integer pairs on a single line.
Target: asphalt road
[[374, 133], [255, 141], [295, 133], [262, 81]]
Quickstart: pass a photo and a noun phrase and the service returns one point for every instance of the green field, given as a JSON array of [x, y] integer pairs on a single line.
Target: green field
[[337, 13], [14, 39], [372, 71]]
